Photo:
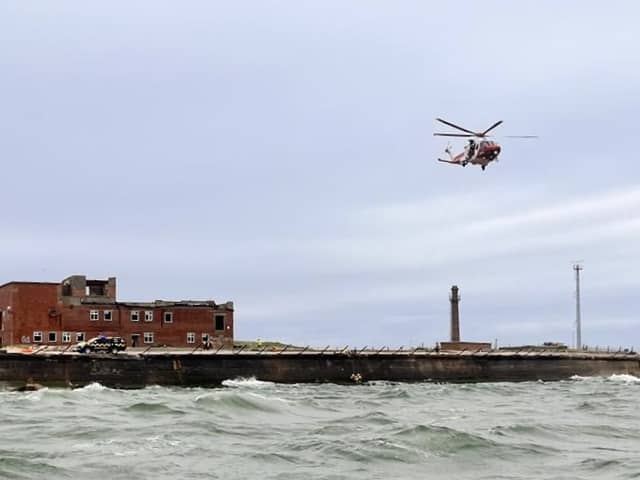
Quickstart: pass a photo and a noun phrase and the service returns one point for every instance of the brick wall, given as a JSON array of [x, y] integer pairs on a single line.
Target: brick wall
[[6, 329], [469, 346]]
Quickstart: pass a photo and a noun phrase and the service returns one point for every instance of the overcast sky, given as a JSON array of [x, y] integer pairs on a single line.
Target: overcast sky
[[279, 154]]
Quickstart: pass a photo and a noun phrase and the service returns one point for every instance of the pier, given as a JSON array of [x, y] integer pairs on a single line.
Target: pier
[[211, 368]]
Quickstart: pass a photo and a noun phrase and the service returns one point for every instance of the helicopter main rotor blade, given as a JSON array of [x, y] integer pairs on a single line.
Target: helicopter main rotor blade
[[520, 136], [454, 135], [455, 126], [491, 128]]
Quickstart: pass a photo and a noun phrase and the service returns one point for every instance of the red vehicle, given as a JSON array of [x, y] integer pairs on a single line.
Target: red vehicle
[[479, 150]]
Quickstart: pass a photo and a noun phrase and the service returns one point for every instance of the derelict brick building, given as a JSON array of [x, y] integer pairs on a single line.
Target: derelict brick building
[[77, 309]]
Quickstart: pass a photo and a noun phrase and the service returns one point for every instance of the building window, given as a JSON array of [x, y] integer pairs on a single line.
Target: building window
[[168, 317], [1, 324], [95, 289], [205, 337], [135, 315], [66, 337], [148, 315], [191, 337], [80, 337], [219, 322], [94, 315], [37, 337], [148, 337], [108, 316], [53, 337]]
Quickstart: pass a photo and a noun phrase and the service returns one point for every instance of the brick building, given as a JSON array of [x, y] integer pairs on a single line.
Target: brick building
[[77, 309]]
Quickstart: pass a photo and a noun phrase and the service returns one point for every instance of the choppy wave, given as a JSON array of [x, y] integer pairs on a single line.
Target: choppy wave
[[92, 387], [17, 466], [442, 440], [620, 378], [624, 378], [155, 408], [246, 383], [586, 427], [233, 401]]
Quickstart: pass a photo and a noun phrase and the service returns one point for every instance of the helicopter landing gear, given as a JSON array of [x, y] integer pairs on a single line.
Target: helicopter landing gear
[[483, 167]]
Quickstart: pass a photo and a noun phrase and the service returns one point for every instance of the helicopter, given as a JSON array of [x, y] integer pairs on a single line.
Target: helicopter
[[478, 150]]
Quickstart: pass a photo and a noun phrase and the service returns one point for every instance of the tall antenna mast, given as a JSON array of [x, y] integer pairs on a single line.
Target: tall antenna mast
[[577, 266]]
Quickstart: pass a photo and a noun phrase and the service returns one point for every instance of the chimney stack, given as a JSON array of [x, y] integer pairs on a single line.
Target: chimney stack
[[455, 316]]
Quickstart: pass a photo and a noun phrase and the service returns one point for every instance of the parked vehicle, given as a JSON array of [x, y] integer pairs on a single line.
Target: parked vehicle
[[102, 344]]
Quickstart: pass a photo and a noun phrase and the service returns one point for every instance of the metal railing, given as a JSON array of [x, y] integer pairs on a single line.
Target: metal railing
[[244, 349]]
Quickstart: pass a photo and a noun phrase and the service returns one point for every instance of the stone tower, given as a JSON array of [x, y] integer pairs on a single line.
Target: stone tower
[[455, 315]]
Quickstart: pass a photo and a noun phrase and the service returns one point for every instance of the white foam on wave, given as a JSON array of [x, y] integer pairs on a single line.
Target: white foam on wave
[[617, 378], [92, 387], [623, 378], [250, 382], [36, 395]]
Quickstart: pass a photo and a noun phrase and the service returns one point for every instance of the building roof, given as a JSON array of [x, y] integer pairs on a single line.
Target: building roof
[[107, 300], [159, 303], [14, 282]]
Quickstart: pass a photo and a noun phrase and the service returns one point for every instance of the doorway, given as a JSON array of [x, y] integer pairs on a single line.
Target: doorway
[[135, 340]]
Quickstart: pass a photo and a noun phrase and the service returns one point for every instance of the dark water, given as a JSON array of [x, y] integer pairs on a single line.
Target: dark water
[[583, 428]]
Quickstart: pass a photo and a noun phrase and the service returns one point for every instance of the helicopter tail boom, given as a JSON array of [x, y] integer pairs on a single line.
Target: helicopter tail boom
[[453, 162]]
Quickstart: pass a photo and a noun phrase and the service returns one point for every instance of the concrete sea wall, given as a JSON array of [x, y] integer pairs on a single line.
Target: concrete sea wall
[[206, 369]]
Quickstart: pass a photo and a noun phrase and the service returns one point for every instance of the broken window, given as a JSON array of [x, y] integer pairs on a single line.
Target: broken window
[[107, 315], [135, 316], [80, 337], [53, 337], [168, 317], [95, 288], [219, 322], [37, 337]]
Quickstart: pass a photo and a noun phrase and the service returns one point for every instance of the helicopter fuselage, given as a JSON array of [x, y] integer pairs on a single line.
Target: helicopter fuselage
[[485, 151], [476, 152]]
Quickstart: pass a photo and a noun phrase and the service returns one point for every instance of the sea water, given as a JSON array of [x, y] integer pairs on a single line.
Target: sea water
[[580, 428]]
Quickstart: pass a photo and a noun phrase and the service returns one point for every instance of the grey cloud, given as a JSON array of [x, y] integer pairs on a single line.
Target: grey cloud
[[279, 154]]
